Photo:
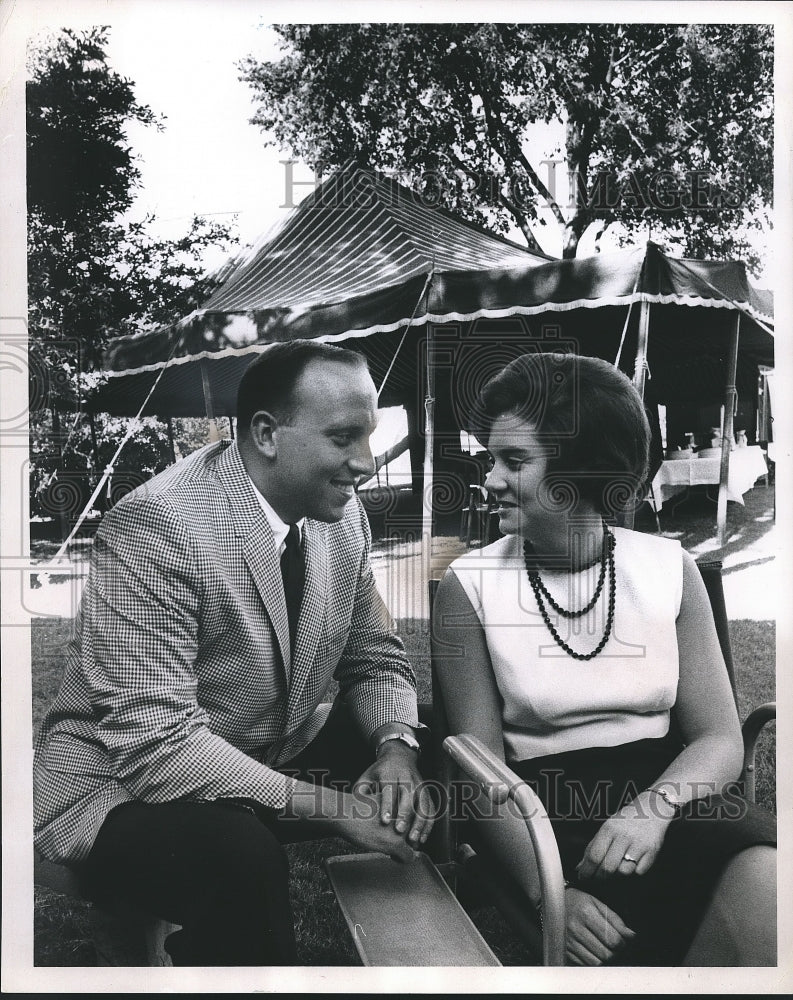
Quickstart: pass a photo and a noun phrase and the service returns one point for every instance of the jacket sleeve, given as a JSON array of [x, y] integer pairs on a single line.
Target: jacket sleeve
[[374, 674], [141, 615]]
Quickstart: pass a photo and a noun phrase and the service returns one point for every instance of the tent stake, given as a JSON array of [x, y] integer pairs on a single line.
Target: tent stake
[[730, 399]]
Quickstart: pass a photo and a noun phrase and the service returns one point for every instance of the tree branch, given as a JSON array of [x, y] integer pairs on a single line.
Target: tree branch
[[514, 154], [519, 217]]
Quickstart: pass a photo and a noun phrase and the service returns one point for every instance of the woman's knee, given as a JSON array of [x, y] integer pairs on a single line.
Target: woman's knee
[[745, 898], [751, 871]]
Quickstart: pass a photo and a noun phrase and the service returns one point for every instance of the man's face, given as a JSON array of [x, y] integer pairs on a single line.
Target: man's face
[[323, 452]]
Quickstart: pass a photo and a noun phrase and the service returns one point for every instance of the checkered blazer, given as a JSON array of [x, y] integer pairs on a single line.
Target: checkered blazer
[[179, 680]]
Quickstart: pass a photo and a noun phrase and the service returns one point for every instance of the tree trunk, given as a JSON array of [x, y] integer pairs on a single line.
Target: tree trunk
[[579, 144], [570, 239]]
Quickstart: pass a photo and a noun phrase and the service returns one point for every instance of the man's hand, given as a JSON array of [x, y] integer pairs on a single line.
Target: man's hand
[[355, 816], [594, 932], [405, 800], [361, 825]]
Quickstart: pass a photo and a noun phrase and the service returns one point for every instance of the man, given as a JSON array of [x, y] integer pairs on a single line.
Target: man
[[189, 731]]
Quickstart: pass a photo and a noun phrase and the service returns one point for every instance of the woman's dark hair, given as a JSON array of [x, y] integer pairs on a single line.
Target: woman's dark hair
[[269, 381], [588, 414]]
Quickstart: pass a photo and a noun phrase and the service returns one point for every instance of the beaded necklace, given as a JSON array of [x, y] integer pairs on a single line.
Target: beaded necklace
[[540, 591]]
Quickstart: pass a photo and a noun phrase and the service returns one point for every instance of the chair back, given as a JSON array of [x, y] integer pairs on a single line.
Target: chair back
[[710, 571]]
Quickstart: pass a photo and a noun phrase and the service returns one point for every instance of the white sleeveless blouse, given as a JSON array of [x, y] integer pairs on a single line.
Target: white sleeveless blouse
[[552, 702]]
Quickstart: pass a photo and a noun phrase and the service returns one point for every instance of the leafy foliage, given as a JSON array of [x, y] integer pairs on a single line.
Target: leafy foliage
[[664, 124], [63, 478], [92, 273]]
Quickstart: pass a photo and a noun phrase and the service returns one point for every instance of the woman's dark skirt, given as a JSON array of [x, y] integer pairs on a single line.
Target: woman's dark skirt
[[582, 788]]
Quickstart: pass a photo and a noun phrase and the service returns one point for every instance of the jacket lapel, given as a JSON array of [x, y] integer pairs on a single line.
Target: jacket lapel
[[258, 545]]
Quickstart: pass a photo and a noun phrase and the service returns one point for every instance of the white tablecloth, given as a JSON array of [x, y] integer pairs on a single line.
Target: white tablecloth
[[746, 467]]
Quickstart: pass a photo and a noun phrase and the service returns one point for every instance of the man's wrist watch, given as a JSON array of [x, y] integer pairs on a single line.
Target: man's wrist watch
[[407, 738]]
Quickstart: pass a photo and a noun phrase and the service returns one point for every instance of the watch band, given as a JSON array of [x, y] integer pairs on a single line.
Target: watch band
[[672, 802], [407, 738]]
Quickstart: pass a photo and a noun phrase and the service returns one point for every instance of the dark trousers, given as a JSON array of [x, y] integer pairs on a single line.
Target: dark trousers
[[219, 868]]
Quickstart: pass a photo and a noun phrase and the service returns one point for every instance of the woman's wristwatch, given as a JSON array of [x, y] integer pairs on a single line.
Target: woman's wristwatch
[[407, 738]]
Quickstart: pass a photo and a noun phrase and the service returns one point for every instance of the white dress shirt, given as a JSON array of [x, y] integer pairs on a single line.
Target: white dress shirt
[[280, 527]]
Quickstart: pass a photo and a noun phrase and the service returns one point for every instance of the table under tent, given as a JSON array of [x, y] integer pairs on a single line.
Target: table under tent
[[437, 305]]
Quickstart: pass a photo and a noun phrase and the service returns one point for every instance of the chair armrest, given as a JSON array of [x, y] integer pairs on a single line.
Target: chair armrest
[[500, 783], [751, 729]]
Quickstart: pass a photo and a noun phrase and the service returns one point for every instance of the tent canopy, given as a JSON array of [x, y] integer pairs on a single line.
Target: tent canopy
[[354, 255], [363, 257]]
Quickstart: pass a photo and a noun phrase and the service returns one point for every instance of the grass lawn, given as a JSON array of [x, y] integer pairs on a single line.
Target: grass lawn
[[62, 934]]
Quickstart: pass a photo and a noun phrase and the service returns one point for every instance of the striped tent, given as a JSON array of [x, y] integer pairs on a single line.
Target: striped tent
[[437, 305], [352, 260], [366, 260]]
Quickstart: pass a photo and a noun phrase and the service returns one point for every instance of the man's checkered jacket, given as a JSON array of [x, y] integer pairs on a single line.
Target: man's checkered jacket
[[179, 681]]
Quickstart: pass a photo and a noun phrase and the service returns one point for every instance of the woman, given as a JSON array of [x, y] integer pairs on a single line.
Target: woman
[[585, 655]]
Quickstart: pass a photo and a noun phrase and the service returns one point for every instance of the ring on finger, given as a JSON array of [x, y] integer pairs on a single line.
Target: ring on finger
[[629, 859]]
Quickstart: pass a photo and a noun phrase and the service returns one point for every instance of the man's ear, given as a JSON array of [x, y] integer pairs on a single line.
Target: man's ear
[[263, 428]]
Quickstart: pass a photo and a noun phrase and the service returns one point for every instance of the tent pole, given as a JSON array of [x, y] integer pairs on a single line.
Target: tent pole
[[429, 443], [171, 444], [640, 366], [63, 522], [730, 399], [94, 445], [214, 434], [639, 375]]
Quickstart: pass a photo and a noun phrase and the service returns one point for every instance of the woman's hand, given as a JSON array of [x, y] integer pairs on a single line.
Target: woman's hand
[[594, 932], [627, 843]]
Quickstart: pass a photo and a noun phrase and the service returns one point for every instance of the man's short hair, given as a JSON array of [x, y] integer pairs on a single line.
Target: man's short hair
[[269, 381], [587, 410]]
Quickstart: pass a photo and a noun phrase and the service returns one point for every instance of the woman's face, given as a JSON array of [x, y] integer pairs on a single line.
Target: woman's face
[[517, 477]]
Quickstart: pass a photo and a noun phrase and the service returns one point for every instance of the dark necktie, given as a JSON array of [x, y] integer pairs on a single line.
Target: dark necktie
[[293, 572]]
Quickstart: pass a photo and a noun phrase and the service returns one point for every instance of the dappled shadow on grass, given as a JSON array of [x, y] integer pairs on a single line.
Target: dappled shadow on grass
[[745, 565], [693, 522]]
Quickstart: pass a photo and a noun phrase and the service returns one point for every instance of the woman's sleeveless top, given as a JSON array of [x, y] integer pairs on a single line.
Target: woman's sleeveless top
[[552, 702]]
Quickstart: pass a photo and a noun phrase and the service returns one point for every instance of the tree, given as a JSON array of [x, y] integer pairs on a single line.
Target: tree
[[664, 125], [92, 273]]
